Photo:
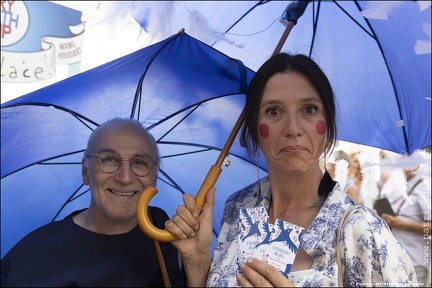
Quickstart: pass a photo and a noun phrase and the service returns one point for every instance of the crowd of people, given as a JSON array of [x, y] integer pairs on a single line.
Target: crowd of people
[[404, 183], [290, 118]]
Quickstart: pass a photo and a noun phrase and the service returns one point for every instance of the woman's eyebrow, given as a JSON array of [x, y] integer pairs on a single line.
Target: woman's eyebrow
[[305, 100]]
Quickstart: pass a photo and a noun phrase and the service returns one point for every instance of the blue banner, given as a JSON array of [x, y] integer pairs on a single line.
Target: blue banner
[[35, 36]]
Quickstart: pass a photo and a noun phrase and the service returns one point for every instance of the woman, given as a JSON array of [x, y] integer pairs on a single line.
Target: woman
[[290, 118], [354, 178]]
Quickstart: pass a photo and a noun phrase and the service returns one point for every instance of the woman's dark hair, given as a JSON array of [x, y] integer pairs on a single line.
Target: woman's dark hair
[[284, 62]]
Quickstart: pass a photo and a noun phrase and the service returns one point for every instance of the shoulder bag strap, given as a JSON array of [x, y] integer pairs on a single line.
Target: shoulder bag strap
[[348, 212], [160, 258], [408, 194]]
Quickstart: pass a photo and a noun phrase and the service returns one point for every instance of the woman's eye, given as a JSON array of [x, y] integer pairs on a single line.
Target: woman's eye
[[310, 109], [272, 111]]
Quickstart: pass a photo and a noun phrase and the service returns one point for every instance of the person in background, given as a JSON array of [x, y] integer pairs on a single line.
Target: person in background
[[354, 178], [385, 172], [337, 166], [290, 118], [411, 225], [101, 246]]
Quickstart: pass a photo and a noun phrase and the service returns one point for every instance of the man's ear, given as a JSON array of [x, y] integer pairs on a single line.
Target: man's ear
[[85, 172]]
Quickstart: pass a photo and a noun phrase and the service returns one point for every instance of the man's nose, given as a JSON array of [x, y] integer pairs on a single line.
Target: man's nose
[[124, 174]]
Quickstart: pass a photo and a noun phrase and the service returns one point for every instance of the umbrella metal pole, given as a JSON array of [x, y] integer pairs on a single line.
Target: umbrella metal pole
[[283, 38], [141, 211]]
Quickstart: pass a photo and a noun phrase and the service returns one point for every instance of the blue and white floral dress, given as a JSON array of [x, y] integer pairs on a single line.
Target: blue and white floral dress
[[370, 254]]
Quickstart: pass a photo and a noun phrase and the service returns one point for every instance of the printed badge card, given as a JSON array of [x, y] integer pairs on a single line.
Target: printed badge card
[[275, 244], [281, 248], [249, 230]]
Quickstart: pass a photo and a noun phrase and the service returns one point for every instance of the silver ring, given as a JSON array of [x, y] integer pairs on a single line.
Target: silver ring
[[166, 222]]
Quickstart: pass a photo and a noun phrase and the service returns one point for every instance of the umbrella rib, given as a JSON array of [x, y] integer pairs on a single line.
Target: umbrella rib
[[189, 144], [197, 104], [244, 15], [187, 153], [138, 92], [73, 113], [373, 35], [355, 21], [58, 156], [178, 123], [314, 25], [40, 162], [76, 115], [172, 183], [206, 148], [70, 199], [217, 234], [57, 163]]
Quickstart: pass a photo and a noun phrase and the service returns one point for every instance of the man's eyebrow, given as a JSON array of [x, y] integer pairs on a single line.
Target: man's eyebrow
[[143, 155], [107, 150]]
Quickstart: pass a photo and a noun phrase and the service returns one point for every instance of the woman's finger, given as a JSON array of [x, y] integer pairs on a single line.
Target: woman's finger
[[253, 276], [243, 281], [262, 274]]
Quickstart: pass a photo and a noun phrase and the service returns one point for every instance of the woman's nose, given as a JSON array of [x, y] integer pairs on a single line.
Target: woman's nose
[[292, 125]]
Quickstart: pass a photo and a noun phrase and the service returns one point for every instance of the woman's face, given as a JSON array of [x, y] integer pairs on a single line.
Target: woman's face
[[355, 162], [291, 124]]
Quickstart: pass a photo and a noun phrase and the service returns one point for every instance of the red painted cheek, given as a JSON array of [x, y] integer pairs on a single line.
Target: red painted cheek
[[264, 130], [321, 127]]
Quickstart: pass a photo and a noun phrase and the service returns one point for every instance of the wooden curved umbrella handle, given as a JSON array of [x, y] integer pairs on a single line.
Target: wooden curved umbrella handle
[[163, 235]]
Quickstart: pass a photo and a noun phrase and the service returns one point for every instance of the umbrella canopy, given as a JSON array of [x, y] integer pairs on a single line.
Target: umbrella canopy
[[186, 93], [379, 66]]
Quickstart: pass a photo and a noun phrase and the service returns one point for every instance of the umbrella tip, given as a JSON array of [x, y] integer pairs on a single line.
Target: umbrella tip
[[182, 30]]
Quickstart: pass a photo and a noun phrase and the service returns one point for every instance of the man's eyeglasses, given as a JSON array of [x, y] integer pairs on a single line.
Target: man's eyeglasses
[[110, 162]]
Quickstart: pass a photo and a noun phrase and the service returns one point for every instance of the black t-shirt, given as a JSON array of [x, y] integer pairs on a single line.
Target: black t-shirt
[[63, 254]]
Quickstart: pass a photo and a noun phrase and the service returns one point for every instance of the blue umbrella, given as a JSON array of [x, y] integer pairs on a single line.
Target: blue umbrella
[[376, 54], [186, 93], [380, 66]]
